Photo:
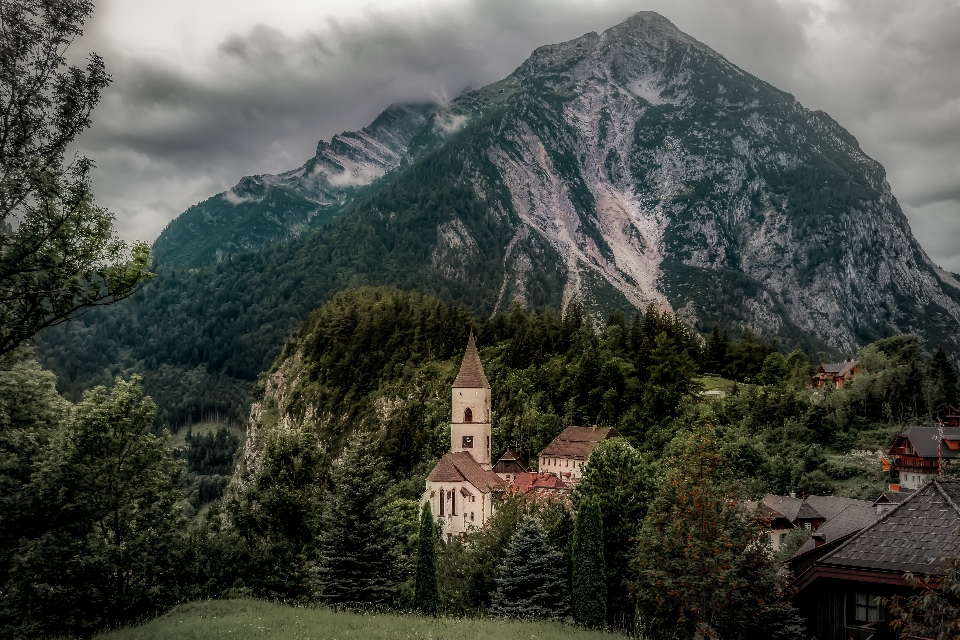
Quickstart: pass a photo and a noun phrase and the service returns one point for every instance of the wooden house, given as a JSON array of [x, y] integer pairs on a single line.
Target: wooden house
[[837, 582], [836, 374], [510, 465], [917, 453]]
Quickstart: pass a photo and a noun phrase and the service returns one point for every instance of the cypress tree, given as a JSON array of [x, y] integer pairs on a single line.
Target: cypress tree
[[426, 596], [589, 568], [532, 583], [358, 560]]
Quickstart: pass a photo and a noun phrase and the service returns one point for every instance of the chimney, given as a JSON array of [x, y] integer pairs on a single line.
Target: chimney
[[593, 427], [793, 494], [819, 540]]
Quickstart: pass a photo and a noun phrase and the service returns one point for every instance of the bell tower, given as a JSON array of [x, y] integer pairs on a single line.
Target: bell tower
[[470, 409]]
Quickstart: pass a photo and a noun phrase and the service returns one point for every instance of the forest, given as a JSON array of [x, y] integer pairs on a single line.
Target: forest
[[259, 521]]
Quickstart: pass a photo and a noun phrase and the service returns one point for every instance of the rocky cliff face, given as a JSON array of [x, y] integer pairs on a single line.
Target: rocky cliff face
[[627, 168], [265, 209], [662, 174]]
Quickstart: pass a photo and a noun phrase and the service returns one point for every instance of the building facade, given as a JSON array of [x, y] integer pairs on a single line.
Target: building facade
[[566, 456], [460, 489]]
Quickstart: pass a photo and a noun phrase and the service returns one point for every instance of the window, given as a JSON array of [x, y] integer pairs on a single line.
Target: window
[[471, 516], [488, 443], [467, 415], [863, 608], [442, 498], [453, 503], [468, 442]]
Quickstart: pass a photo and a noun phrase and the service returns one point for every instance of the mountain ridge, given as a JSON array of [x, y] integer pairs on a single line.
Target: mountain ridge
[[617, 170]]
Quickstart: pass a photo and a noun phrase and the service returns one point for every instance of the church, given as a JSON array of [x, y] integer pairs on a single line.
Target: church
[[461, 488]]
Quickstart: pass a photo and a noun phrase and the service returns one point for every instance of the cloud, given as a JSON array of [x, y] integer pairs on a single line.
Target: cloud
[[205, 93]]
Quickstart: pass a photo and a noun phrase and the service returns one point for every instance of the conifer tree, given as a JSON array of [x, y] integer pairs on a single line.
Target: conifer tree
[[589, 568], [426, 595], [532, 583], [358, 558]]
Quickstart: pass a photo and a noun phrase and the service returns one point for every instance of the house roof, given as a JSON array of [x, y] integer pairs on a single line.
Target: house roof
[[892, 497], [911, 537], [851, 519], [510, 461], [837, 368], [578, 442], [532, 481], [471, 374], [461, 467], [807, 512], [784, 505], [830, 506], [927, 439]]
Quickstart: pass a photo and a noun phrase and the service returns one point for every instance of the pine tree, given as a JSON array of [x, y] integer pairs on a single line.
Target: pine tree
[[589, 568], [426, 593], [532, 583], [358, 560]]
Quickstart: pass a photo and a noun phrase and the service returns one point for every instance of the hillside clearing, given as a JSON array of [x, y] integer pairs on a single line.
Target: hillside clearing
[[241, 619]]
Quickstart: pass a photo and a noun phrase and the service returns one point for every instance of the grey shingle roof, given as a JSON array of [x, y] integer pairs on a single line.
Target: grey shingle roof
[[853, 518], [830, 506], [807, 512], [784, 505], [471, 374], [911, 537], [838, 368]]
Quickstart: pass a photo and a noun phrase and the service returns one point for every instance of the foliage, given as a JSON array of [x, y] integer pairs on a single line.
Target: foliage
[[107, 551], [931, 613], [58, 252], [620, 481], [467, 570], [426, 594], [794, 539], [702, 565], [209, 458], [244, 619], [589, 569], [531, 581], [357, 560], [275, 509]]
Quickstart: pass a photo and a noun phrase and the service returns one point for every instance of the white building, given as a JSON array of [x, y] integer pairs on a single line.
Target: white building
[[460, 488], [566, 456]]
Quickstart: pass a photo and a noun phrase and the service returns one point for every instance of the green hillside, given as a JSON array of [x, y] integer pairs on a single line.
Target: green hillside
[[252, 619]]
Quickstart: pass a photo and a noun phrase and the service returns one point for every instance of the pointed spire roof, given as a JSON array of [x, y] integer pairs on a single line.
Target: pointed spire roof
[[471, 374]]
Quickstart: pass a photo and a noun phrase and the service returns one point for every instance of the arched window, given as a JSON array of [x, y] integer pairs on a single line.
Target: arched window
[[442, 499], [453, 503], [467, 415]]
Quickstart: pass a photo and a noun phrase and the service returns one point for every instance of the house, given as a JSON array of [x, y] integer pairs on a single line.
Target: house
[[567, 454], [836, 373], [813, 512], [838, 582], [460, 489], [510, 465], [916, 454], [889, 499]]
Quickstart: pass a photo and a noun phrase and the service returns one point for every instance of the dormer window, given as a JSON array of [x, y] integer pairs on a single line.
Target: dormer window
[[467, 415]]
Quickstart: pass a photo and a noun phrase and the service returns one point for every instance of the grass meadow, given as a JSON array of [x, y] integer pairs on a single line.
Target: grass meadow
[[244, 619]]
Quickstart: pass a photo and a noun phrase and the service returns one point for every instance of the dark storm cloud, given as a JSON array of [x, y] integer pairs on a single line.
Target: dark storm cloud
[[173, 130]]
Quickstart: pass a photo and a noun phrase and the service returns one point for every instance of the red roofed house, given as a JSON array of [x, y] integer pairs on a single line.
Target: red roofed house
[[836, 373], [543, 486], [461, 487], [568, 453]]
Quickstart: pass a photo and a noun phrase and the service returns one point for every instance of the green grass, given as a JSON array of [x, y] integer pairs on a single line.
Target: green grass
[[242, 619], [714, 382]]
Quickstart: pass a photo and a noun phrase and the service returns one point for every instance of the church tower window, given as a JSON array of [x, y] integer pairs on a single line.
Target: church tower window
[[467, 415]]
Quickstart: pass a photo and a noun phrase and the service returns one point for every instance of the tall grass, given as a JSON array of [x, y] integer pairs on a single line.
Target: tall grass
[[248, 619]]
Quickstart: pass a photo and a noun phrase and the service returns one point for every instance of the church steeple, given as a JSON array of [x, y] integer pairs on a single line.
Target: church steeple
[[470, 409], [471, 374]]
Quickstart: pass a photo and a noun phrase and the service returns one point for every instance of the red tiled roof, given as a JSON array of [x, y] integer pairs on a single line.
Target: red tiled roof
[[461, 467], [471, 374], [578, 442], [532, 481]]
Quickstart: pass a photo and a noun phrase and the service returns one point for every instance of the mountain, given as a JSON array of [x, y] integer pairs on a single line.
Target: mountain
[[619, 170], [265, 209]]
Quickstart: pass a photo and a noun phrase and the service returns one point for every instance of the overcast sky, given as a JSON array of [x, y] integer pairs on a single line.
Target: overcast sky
[[207, 91]]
